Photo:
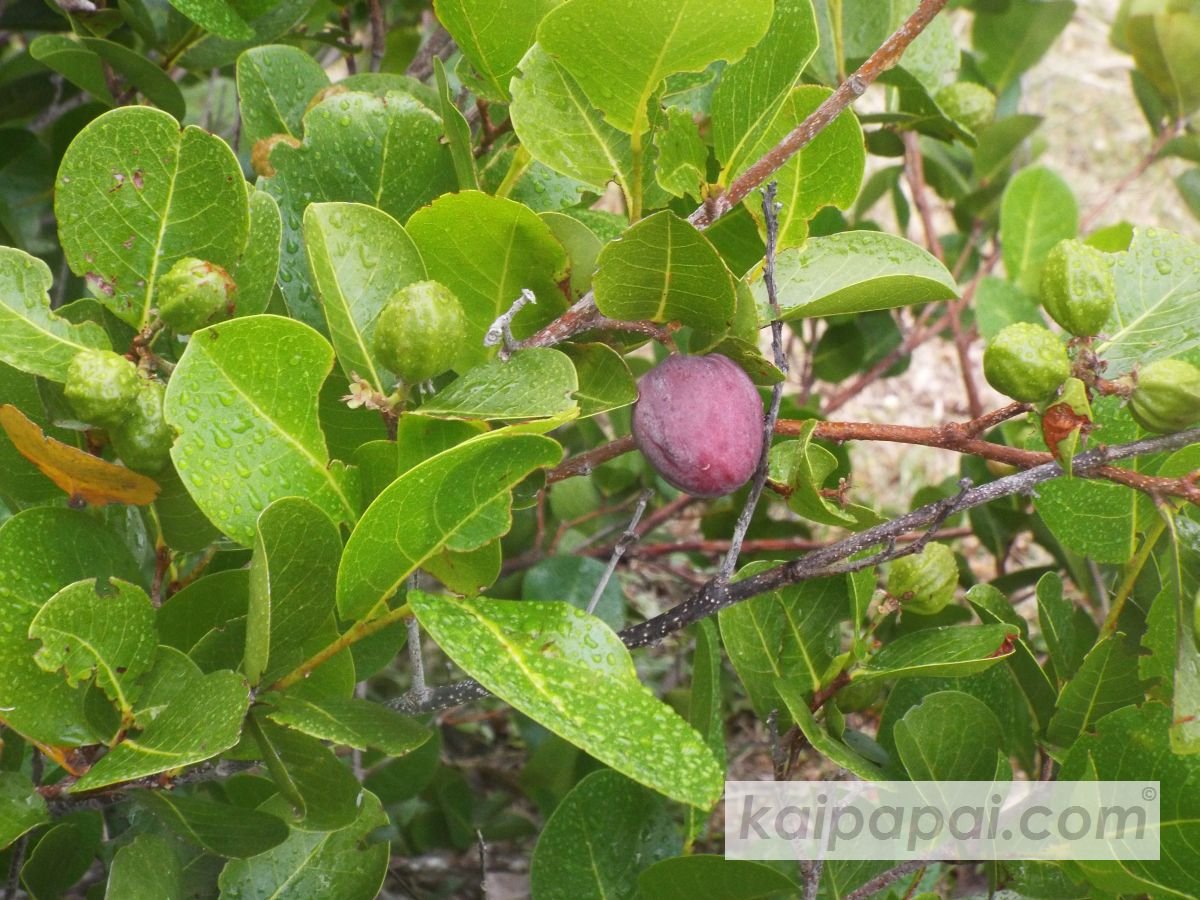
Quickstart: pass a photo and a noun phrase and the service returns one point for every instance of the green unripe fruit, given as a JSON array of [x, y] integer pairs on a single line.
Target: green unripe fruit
[[420, 332], [1166, 397], [1078, 290], [143, 440], [924, 582], [1026, 362], [101, 387], [192, 292], [968, 103]]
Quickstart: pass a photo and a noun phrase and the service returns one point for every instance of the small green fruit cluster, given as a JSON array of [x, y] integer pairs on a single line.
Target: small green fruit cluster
[[192, 293], [1026, 362], [420, 331], [1166, 396], [924, 582], [967, 103], [104, 389], [1077, 288]]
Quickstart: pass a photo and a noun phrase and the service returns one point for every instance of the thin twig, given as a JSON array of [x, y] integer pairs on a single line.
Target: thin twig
[[378, 34], [879, 882], [500, 331], [628, 539], [1131, 176], [812, 879]]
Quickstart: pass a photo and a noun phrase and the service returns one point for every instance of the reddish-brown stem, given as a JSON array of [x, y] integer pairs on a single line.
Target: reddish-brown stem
[[914, 171]]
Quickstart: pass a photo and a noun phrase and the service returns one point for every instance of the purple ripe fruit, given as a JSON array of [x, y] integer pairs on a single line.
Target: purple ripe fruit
[[699, 420]]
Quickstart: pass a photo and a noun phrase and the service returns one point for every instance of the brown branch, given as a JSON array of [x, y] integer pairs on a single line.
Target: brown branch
[[760, 545], [583, 314], [378, 33]]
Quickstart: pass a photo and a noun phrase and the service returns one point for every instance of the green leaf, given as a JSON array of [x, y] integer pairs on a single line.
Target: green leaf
[[202, 716], [1016, 36], [493, 35], [752, 90], [244, 401], [1037, 211], [506, 249], [949, 736], [561, 129], [827, 172], [789, 634], [21, 807], [293, 579], [1062, 626], [573, 580], [1158, 289], [32, 338], [359, 257], [582, 246], [43, 550], [1107, 680], [218, 16], [324, 792], [204, 609], [950, 650], [102, 633], [1164, 39], [664, 270], [134, 194], [258, 265], [146, 869], [275, 84], [349, 721], [72, 59], [458, 132], [682, 164], [705, 710], [155, 84], [796, 700], [999, 303], [536, 383], [384, 151], [343, 863], [603, 833], [217, 827], [805, 467], [1133, 743], [605, 382], [423, 509], [62, 855], [714, 878], [571, 673], [620, 55], [855, 271]]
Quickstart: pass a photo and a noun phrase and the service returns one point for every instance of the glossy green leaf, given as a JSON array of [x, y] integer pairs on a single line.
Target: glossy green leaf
[[1133, 743], [714, 878], [789, 634], [243, 399], [949, 650], [43, 550], [333, 678], [103, 632], [493, 35], [536, 383], [343, 863], [71, 58], [425, 507], [359, 257], [561, 129], [217, 827], [1107, 680], [467, 572], [62, 855], [293, 579], [1016, 35], [682, 164], [1037, 211], [1063, 626], [664, 270], [275, 84], [582, 246], [855, 271], [506, 249], [1158, 288], [573, 580], [805, 467], [135, 193], [796, 700], [752, 90], [605, 382], [1164, 39], [200, 718], [82, 61], [258, 265], [620, 53], [705, 711], [305, 770], [458, 132], [605, 831], [21, 807], [32, 338], [382, 151], [206, 609], [218, 16], [827, 172], [146, 868], [352, 722], [999, 303], [570, 673], [949, 736]]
